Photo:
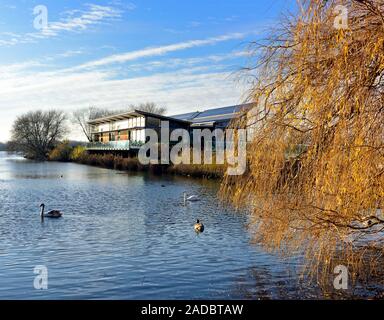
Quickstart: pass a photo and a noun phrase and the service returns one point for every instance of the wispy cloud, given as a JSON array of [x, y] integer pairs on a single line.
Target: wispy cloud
[[70, 53], [73, 21], [179, 90], [186, 86], [8, 6], [203, 86], [195, 24], [123, 4], [95, 14], [111, 82], [158, 51], [186, 62]]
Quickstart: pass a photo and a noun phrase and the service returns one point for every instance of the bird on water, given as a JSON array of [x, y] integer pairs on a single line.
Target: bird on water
[[50, 214], [199, 227], [191, 198]]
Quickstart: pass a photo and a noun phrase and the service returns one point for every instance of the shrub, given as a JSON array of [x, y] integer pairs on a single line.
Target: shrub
[[106, 161], [61, 152], [78, 153]]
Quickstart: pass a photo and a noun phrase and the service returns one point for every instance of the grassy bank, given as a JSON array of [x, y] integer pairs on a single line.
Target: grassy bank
[[65, 153], [211, 171]]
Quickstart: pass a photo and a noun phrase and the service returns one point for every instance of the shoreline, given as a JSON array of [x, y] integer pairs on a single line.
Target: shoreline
[[210, 172]]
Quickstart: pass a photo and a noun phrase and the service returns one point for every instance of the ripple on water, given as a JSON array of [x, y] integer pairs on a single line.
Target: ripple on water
[[124, 236]]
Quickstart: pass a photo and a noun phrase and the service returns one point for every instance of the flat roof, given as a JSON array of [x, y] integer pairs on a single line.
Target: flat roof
[[132, 114], [209, 116], [216, 114]]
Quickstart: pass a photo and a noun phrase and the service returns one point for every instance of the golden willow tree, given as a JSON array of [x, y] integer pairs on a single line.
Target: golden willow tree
[[315, 179]]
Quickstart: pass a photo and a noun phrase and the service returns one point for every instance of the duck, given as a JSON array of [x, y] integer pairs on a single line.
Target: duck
[[199, 227], [192, 198], [50, 214]]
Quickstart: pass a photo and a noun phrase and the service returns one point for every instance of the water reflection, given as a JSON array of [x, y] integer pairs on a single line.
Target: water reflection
[[126, 236]]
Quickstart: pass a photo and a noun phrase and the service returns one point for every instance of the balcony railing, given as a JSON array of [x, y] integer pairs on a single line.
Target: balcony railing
[[112, 145]]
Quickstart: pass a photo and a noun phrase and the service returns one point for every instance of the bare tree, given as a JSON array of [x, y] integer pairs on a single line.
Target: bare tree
[[150, 107], [83, 116], [35, 133]]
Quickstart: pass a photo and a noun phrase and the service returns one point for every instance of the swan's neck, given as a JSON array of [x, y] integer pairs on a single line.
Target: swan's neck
[[42, 212], [185, 197]]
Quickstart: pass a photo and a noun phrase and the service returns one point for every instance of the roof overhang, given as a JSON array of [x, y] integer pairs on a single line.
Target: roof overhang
[[132, 114], [116, 117], [203, 124]]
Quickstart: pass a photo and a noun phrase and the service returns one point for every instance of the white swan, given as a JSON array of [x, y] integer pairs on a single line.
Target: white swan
[[191, 198], [50, 214]]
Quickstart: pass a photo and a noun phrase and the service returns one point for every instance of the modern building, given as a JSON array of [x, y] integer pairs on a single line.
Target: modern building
[[214, 118], [127, 131]]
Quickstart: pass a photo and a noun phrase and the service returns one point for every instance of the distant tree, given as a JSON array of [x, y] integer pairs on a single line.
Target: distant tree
[[37, 132], [12, 147], [150, 107], [84, 115]]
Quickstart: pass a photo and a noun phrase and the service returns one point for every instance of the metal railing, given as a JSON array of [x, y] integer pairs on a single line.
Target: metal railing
[[111, 145]]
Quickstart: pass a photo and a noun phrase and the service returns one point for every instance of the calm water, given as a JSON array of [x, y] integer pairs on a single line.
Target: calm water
[[124, 236]]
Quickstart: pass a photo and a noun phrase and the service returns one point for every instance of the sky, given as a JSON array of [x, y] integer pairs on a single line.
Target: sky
[[184, 55]]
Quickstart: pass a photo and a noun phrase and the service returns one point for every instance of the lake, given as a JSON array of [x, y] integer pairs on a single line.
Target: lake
[[128, 236]]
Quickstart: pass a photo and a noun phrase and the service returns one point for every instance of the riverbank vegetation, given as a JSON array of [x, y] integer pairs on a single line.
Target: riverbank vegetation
[[64, 152], [319, 86]]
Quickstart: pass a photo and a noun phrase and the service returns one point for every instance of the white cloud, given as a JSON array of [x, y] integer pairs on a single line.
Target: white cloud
[[195, 24], [158, 51], [94, 15], [187, 84], [180, 91], [8, 6], [74, 21], [69, 53], [123, 4], [178, 62]]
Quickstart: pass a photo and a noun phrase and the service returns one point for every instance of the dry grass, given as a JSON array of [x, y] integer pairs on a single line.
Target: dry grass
[[210, 171], [133, 164]]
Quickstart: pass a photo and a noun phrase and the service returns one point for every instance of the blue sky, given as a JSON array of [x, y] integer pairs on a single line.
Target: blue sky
[[180, 54]]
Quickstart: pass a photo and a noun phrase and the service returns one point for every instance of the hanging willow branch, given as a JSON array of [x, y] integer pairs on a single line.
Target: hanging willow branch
[[315, 178]]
